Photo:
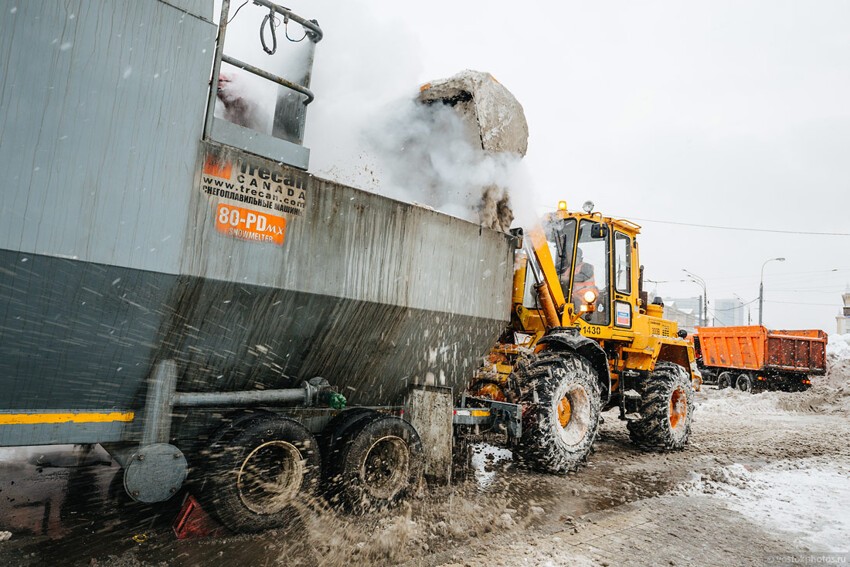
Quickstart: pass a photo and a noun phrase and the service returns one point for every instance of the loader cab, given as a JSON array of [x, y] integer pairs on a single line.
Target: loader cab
[[593, 263], [580, 250], [589, 287]]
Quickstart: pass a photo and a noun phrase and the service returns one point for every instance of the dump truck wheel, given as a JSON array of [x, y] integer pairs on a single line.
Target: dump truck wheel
[[561, 411], [381, 462], [744, 383], [331, 440], [666, 410], [260, 471], [232, 424], [724, 380]]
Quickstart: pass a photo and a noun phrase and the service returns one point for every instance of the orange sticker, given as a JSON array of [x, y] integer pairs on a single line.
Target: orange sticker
[[217, 167], [248, 224]]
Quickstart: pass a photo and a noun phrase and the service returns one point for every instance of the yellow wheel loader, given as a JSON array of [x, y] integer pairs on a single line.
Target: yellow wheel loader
[[583, 339]]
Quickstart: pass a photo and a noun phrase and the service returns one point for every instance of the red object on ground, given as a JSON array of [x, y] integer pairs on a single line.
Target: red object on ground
[[194, 522]]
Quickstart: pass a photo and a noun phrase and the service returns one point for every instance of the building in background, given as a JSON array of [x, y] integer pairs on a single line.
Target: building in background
[[689, 304], [685, 312], [843, 319], [729, 312]]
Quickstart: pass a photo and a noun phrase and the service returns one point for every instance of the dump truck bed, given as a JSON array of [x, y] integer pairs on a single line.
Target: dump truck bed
[[759, 349]]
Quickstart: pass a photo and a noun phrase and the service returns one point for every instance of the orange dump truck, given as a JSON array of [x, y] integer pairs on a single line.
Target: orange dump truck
[[755, 358]]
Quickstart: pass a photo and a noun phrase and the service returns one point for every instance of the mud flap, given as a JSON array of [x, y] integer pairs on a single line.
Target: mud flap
[[429, 411]]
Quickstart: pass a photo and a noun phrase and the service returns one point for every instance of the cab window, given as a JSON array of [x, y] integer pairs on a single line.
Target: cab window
[[622, 263], [561, 236], [591, 272]]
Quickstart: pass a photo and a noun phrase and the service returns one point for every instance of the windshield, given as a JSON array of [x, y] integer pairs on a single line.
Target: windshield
[[591, 272], [561, 234], [561, 237]]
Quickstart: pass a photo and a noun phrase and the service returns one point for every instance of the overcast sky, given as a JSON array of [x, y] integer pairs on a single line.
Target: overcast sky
[[731, 114]]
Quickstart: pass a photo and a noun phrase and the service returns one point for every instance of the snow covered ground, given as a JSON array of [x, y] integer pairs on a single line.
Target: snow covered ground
[[807, 499]]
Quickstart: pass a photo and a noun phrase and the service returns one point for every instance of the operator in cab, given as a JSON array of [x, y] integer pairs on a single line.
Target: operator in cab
[[583, 278]]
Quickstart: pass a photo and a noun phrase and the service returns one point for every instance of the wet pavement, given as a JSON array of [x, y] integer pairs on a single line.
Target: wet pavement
[[66, 504], [67, 507]]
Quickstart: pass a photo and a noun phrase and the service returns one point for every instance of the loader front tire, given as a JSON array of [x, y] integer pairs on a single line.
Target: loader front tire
[[561, 411], [666, 410]]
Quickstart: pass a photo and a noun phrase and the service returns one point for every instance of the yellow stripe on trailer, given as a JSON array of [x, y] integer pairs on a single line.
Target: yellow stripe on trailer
[[479, 412], [66, 417]]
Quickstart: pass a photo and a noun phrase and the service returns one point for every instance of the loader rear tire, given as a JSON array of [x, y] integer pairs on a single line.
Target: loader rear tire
[[666, 410], [561, 411], [724, 380], [381, 462], [258, 472]]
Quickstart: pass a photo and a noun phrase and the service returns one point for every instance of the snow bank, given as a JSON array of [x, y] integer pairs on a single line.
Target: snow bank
[[838, 361], [808, 498], [731, 401], [839, 346]]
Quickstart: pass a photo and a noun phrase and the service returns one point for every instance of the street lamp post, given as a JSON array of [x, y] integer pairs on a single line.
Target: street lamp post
[[703, 308], [761, 285]]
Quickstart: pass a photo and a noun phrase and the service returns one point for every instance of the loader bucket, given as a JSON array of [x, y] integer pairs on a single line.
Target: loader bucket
[[493, 115]]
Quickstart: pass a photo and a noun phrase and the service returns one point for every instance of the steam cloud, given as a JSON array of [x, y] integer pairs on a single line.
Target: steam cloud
[[366, 128], [423, 154]]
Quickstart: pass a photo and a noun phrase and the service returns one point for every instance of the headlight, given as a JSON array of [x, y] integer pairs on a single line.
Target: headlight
[[589, 296]]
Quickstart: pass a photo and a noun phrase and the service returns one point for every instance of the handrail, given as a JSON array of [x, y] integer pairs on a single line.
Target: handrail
[[314, 33], [286, 12], [269, 77]]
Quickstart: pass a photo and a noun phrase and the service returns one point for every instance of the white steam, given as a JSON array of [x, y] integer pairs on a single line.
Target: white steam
[[423, 154], [365, 128]]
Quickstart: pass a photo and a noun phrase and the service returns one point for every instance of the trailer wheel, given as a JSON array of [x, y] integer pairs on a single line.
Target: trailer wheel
[[666, 410], [744, 383], [561, 411], [724, 380], [381, 462], [332, 437], [258, 472]]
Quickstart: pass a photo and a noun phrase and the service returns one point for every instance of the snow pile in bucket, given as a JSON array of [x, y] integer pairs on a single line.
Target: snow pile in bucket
[[809, 498]]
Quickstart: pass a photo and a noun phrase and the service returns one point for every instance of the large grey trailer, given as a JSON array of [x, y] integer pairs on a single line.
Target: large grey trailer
[[178, 288]]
